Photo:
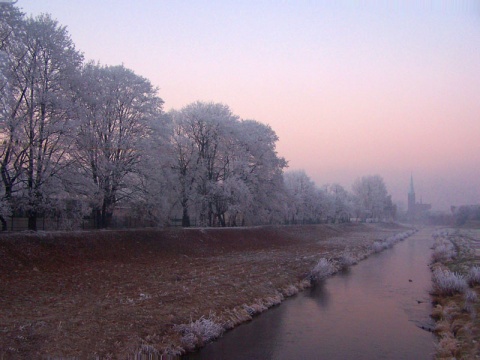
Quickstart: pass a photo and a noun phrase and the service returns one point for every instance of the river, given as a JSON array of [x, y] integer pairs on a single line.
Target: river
[[375, 310]]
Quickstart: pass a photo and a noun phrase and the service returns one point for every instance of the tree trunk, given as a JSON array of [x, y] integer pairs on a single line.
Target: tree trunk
[[97, 218], [32, 220], [221, 219], [185, 217], [4, 223]]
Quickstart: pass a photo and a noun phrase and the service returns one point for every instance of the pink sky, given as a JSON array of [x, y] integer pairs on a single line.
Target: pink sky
[[378, 88]]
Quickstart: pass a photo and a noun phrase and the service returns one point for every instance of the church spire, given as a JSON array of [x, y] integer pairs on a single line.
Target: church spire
[[412, 191]]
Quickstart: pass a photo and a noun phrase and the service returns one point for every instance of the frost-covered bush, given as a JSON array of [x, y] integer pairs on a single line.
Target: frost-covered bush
[[198, 332], [289, 290], [322, 270], [473, 276], [346, 260], [446, 282], [378, 246]]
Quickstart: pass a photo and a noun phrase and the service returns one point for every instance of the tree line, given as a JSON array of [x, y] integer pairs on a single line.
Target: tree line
[[80, 139]]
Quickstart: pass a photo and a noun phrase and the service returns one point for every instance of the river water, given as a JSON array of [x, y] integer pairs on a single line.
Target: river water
[[375, 310]]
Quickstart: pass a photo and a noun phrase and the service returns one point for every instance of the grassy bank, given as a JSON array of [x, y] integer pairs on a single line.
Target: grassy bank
[[116, 293], [456, 289]]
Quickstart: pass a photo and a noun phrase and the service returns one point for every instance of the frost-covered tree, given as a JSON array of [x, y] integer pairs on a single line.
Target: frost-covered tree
[[152, 196], [340, 202], [40, 68], [11, 24], [227, 169], [117, 110], [302, 195], [371, 197], [12, 47], [204, 133], [261, 170]]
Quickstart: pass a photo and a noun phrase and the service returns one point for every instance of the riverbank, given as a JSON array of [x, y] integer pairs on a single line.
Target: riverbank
[[456, 293], [116, 293]]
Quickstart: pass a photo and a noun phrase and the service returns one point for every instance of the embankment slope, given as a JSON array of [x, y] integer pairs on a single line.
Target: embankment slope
[[110, 293]]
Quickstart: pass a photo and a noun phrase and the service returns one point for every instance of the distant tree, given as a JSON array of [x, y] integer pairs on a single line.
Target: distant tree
[[466, 213], [302, 197], [371, 197], [341, 202]]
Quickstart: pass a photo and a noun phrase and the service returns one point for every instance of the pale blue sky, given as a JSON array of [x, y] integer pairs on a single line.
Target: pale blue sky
[[351, 88]]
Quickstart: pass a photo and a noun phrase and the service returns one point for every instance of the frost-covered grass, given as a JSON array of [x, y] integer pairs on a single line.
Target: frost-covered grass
[[471, 296], [387, 243], [254, 309], [471, 299], [444, 233], [455, 267], [322, 270], [473, 276], [443, 251], [326, 267], [346, 260], [199, 332], [446, 282]]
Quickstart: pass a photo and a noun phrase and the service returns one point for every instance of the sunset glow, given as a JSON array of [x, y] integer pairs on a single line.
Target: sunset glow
[[351, 90]]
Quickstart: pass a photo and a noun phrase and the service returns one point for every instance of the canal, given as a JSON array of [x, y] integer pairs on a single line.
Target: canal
[[375, 310]]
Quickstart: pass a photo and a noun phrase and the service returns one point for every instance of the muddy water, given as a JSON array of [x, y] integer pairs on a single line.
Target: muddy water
[[373, 311]]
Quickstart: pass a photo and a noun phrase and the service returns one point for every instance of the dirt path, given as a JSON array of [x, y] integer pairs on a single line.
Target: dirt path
[[113, 293]]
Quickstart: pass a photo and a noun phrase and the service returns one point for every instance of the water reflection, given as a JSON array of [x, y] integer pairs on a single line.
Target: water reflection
[[319, 293], [370, 312]]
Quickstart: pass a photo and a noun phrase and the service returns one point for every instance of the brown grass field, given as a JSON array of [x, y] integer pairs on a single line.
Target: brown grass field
[[114, 294]]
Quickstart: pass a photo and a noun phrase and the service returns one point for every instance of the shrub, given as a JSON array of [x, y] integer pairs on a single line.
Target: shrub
[[290, 290], [198, 332], [378, 246], [346, 260], [322, 270], [446, 282]]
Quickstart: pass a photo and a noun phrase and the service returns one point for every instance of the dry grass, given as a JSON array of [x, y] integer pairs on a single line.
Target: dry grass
[[456, 258], [111, 294]]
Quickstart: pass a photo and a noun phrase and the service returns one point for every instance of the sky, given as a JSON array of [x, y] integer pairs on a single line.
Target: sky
[[352, 88]]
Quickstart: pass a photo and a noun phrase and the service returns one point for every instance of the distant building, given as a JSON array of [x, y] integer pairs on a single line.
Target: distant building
[[415, 210]]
